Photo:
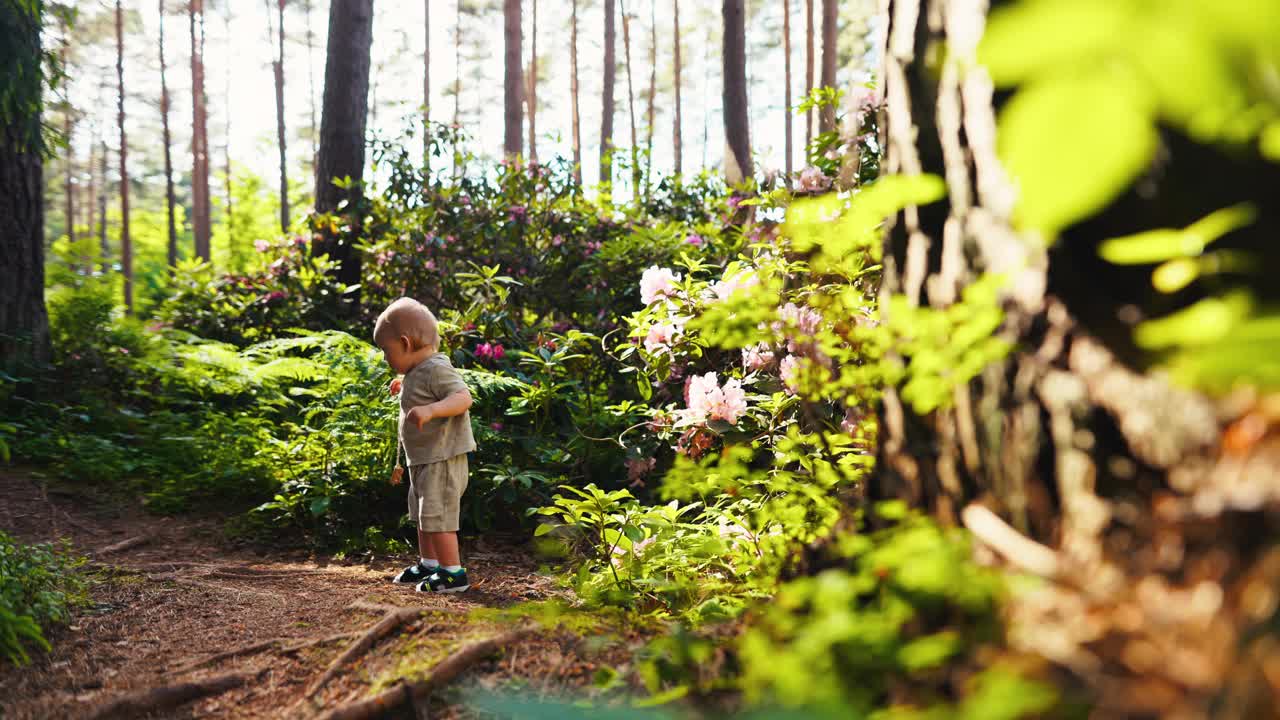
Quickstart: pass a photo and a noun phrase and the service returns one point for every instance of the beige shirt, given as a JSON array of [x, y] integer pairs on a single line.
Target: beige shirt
[[430, 381]]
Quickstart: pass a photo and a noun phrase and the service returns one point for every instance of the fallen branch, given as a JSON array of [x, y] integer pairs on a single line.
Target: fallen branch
[[411, 693], [1023, 552], [146, 702], [389, 622], [123, 545]]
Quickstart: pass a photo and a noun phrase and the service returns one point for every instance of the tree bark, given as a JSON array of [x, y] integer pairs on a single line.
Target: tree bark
[[830, 60], [513, 60], [631, 101], [808, 69], [24, 323], [426, 85], [91, 199], [676, 137], [653, 92], [172, 255], [533, 87], [606, 109], [228, 183], [573, 89], [342, 123], [311, 94], [737, 166], [277, 68], [103, 245], [69, 205], [200, 199], [126, 242], [457, 64], [786, 73]]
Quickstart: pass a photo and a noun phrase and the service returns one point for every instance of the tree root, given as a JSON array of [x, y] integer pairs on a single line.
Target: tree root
[[392, 620], [260, 647], [167, 697], [412, 693], [123, 545]]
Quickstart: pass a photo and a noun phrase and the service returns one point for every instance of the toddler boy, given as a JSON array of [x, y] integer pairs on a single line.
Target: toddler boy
[[435, 432]]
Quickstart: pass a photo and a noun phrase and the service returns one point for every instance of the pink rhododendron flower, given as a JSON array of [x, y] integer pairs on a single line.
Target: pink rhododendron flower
[[694, 240], [657, 282], [757, 357], [638, 468], [812, 179], [708, 401], [661, 336], [723, 289], [557, 241], [498, 351], [803, 319], [261, 245], [484, 351], [790, 371]]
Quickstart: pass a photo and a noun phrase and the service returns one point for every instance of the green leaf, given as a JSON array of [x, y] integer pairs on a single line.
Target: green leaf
[[543, 528], [319, 506], [1156, 246], [1204, 322], [1072, 145]]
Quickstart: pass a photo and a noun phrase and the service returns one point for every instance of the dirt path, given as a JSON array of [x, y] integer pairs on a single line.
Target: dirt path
[[162, 609]]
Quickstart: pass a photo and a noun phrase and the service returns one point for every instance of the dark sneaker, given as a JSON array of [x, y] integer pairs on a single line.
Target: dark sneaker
[[413, 574], [443, 581]]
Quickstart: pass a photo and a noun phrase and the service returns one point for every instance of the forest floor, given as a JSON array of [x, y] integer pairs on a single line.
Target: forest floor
[[163, 611]]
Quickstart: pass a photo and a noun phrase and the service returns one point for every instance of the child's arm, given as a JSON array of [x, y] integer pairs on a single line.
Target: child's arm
[[455, 404]]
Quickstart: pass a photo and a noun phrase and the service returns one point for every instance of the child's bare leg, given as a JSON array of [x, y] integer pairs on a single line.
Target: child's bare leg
[[427, 545], [446, 544]]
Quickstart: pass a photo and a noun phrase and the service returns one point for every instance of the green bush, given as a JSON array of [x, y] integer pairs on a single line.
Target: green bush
[[38, 588]]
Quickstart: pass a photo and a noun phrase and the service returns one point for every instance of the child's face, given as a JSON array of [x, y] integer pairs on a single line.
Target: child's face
[[398, 355]]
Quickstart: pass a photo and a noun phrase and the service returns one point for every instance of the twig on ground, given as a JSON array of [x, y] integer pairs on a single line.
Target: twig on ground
[[412, 693], [146, 702], [261, 646], [123, 545]]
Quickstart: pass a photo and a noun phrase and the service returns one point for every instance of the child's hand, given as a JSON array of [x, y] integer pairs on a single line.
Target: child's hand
[[420, 415], [396, 475], [396, 384]]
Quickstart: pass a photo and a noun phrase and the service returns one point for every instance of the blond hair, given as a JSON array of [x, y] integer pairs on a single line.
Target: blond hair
[[409, 318]]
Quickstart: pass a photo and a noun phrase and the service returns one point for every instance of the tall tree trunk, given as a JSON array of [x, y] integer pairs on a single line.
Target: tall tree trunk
[[830, 56], [573, 90], [533, 86], [91, 200], [69, 208], [706, 96], [513, 60], [677, 141], [426, 85], [457, 64], [808, 69], [786, 73], [342, 124], [172, 255], [126, 242], [24, 322], [653, 92], [278, 69], [103, 245], [228, 184], [737, 166], [311, 94], [200, 200], [631, 100], [606, 109]]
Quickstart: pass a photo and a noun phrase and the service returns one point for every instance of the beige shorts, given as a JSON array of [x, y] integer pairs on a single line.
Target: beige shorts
[[435, 494]]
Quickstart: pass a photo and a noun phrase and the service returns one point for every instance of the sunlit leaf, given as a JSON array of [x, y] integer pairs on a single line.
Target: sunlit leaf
[[1156, 246], [1204, 322]]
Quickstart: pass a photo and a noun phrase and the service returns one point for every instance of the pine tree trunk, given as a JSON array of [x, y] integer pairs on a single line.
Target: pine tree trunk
[[311, 94], [24, 322], [278, 70], [228, 183], [533, 87], [513, 60], [126, 242], [457, 65], [606, 109], [103, 246], [426, 85], [342, 123], [631, 100], [200, 199], [653, 92], [91, 201], [172, 255], [808, 70], [69, 208], [677, 141], [786, 73], [830, 60], [573, 89], [737, 166]]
